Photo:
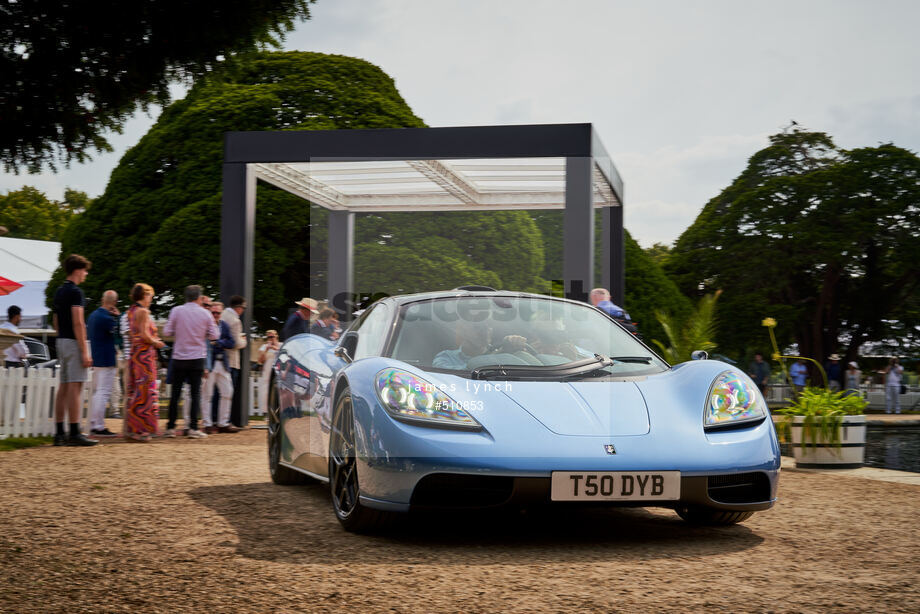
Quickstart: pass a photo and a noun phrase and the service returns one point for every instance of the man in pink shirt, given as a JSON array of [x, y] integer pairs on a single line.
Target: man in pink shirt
[[191, 326]]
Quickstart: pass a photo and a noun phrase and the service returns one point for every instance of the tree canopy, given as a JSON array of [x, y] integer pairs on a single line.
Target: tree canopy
[[648, 288], [825, 240], [73, 70], [27, 213]]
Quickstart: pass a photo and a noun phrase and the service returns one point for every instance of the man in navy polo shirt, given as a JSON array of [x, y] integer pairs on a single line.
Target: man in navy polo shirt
[[101, 330]]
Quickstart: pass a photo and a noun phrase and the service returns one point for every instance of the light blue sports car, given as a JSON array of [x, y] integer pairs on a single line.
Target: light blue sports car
[[474, 398]]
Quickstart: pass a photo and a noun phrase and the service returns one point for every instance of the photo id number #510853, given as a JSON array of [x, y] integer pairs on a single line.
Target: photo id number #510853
[[615, 486]]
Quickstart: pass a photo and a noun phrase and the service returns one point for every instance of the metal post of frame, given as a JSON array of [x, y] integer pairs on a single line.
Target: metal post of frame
[[578, 229], [614, 254], [340, 280], [237, 240]]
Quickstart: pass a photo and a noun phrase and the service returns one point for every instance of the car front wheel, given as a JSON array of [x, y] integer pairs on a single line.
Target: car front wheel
[[343, 474]]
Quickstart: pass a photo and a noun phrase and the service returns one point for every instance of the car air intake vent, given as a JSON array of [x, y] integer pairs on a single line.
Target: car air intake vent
[[457, 490], [751, 487]]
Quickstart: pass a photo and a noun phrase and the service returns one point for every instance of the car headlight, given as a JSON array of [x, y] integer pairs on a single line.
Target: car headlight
[[410, 398], [733, 401]]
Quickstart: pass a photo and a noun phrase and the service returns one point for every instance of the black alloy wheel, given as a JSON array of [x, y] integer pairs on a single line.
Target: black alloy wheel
[[280, 474], [343, 473]]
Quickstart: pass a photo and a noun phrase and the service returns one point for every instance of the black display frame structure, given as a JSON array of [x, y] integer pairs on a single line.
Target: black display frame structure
[[577, 143]]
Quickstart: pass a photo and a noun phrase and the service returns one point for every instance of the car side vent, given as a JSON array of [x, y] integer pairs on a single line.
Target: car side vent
[[752, 487], [458, 490]]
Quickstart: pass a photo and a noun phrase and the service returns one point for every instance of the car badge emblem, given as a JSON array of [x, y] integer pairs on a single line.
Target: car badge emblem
[[609, 449]]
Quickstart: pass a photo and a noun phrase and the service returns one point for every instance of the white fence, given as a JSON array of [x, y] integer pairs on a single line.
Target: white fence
[[27, 402], [254, 386]]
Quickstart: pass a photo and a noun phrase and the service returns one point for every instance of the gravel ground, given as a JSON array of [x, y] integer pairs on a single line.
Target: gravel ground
[[180, 525]]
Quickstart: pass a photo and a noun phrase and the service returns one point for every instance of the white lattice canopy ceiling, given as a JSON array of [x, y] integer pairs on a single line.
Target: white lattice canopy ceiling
[[432, 185]]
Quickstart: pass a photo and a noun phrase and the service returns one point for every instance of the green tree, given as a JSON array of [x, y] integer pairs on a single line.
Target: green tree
[[28, 214], [648, 288], [694, 332], [74, 70], [825, 240], [659, 253]]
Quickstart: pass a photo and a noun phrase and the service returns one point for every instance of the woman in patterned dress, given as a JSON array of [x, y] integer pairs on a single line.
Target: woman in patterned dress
[[143, 412]]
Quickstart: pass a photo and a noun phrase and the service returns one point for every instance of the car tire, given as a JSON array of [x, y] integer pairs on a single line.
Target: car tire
[[343, 474], [710, 516], [282, 475]]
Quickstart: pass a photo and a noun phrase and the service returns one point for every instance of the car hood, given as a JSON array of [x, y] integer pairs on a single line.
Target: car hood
[[583, 408]]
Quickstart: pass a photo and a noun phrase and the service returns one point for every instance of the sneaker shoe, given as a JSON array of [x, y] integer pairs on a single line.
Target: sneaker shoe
[[196, 434], [60, 440], [169, 433], [229, 428], [81, 440], [102, 433]]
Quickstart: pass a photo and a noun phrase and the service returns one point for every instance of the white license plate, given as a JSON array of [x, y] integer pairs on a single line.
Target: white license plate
[[615, 486]]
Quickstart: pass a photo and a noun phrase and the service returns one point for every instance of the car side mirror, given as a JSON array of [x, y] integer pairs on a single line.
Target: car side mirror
[[699, 355], [342, 353], [346, 349]]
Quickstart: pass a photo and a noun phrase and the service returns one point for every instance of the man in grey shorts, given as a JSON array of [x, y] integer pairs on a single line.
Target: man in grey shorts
[[72, 352]]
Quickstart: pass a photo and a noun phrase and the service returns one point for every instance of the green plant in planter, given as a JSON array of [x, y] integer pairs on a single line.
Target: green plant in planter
[[823, 411]]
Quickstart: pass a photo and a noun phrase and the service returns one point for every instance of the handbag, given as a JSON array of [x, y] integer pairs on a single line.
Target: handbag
[[903, 389]]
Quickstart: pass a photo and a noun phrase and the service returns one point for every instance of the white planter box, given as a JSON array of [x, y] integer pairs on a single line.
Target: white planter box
[[849, 454]]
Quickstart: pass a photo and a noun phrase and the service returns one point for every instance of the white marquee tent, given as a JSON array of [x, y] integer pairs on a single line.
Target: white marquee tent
[[30, 263]]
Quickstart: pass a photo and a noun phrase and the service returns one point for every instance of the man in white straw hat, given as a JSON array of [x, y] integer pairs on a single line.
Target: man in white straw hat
[[300, 320]]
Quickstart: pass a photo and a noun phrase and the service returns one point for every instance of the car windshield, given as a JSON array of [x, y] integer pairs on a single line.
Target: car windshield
[[535, 338]]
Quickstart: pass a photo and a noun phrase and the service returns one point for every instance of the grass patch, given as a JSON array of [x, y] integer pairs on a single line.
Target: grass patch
[[15, 443]]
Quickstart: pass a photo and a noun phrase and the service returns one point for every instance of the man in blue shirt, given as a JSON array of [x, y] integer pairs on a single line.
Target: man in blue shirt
[[101, 329], [798, 373], [600, 298]]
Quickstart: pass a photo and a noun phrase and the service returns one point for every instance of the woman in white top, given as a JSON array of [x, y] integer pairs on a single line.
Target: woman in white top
[[893, 386], [266, 358]]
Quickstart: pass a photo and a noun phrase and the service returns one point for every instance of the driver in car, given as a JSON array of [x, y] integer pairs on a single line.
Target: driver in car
[[472, 340]]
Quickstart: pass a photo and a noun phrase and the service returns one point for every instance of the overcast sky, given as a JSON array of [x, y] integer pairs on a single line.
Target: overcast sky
[[682, 93]]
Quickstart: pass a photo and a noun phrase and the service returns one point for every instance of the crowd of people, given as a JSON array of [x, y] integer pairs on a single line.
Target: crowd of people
[[205, 360], [838, 378]]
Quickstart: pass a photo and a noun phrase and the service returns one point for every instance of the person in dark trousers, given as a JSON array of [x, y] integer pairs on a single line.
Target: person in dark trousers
[[73, 355], [760, 373], [191, 326]]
